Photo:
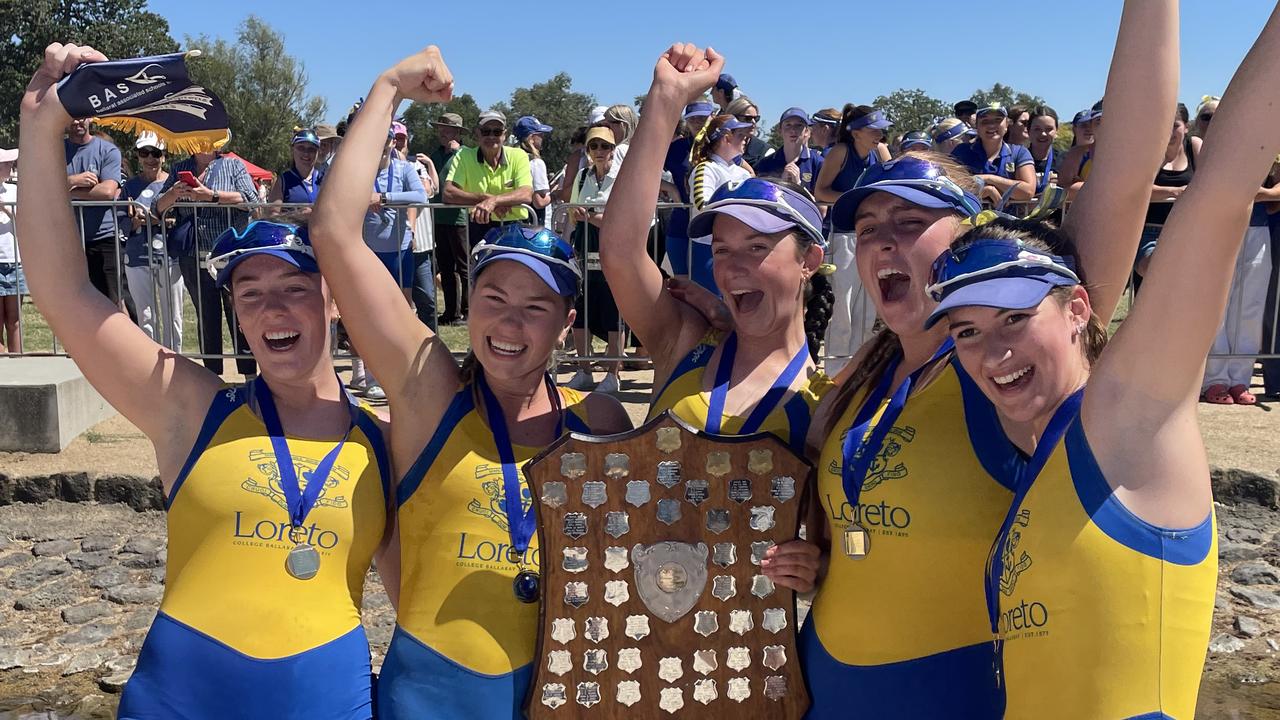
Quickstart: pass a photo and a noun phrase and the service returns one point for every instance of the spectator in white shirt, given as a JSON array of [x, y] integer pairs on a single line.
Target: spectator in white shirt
[[12, 285], [717, 159], [530, 133]]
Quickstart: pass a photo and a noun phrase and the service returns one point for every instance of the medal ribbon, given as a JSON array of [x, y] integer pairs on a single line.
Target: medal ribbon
[[768, 402], [1048, 168], [1025, 478], [862, 443], [298, 501], [520, 523]]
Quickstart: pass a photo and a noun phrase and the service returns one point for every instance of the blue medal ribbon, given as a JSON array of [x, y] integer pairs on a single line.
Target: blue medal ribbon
[[862, 443], [298, 501], [1048, 168], [520, 522], [1023, 481], [770, 400]]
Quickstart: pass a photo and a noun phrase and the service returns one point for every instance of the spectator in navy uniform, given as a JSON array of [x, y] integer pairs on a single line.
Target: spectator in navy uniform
[[915, 140], [725, 91], [1043, 131], [301, 182], [824, 129], [965, 111], [94, 174], [152, 271], [678, 166], [794, 161], [1000, 166]]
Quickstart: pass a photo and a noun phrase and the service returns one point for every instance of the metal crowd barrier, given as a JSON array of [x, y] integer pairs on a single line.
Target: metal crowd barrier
[[208, 220]]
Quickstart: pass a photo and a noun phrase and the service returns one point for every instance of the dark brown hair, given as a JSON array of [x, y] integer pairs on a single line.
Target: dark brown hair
[[850, 113]]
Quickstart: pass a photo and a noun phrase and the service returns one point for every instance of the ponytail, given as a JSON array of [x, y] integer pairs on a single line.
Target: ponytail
[[884, 347]]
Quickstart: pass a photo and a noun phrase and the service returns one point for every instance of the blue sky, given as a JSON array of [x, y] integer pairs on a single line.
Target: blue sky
[[781, 52]]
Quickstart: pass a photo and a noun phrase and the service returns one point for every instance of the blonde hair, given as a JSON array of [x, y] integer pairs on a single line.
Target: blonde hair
[[625, 115], [942, 126]]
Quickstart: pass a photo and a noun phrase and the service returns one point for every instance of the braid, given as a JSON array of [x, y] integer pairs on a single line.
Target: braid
[[817, 312]]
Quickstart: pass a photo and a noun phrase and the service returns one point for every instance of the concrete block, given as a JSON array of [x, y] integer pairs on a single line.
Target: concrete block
[[45, 403]]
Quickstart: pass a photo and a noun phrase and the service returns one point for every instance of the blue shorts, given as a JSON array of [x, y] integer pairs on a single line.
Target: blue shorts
[[400, 264], [12, 281]]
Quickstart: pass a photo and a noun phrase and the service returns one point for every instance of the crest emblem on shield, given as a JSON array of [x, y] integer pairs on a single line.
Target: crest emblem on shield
[[670, 577]]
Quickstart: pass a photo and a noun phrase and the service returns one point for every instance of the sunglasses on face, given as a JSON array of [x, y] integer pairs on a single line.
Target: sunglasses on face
[[149, 152], [748, 118], [498, 132], [1206, 117], [597, 145]]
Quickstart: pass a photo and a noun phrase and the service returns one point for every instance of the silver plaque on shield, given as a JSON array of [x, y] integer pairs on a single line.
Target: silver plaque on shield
[[697, 491], [628, 692], [704, 661], [739, 689], [775, 656], [616, 593], [575, 594], [595, 661], [668, 473], [760, 461], [617, 465], [575, 525], [738, 659], [704, 690], [553, 695], [629, 660], [718, 463], [597, 629], [554, 494], [594, 494], [784, 488], [705, 622], [758, 549], [740, 490], [669, 511], [670, 577], [671, 699], [774, 620], [761, 586], [717, 520], [638, 492], [740, 621], [775, 687], [562, 630], [573, 465], [724, 587], [637, 627], [670, 669], [617, 523], [588, 693], [762, 518], [725, 554], [668, 439], [575, 559], [559, 661], [615, 558]]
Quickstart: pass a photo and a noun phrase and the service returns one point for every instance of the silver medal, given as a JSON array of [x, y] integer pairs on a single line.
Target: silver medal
[[717, 520], [575, 525], [638, 492], [704, 661], [671, 699], [704, 690], [594, 494], [615, 558], [617, 465], [559, 661], [562, 630], [302, 562], [575, 559], [697, 491], [595, 661], [668, 473], [669, 511], [775, 656], [739, 689], [637, 627], [553, 695], [761, 586], [670, 669], [629, 660], [705, 622], [616, 593], [740, 621], [718, 463], [575, 594], [597, 629], [774, 620], [588, 693], [738, 659], [758, 549], [616, 523], [775, 687], [783, 489], [724, 587], [628, 692], [760, 461], [762, 518], [724, 554], [573, 465], [554, 494], [740, 490]]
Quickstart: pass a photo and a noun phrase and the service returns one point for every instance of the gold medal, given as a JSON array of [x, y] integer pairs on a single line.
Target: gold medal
[[857, 542], [302, 562]]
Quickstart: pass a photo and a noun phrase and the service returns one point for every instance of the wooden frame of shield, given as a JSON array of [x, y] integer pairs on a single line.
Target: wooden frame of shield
[[653, 603]]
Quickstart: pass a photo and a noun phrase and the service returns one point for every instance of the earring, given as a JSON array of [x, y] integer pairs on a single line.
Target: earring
[[1080, 328]]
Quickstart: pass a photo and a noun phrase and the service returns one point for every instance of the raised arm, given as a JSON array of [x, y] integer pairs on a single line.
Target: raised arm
[[1148, 379], [1106, 218], [682, 74], [162, 393], [391, 339]]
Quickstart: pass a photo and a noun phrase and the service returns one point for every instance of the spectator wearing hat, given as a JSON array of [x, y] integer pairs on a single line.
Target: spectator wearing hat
[[915, 140], [219, 180], [678, 166], [965, 111], [725, 91], [621, 121], [151, 268], [493, 179], [1006, 170], [301, 182], [94, 173], [329, 141], [12, 283], [401, 134], [450, 225], [794, 160], [1079, 159], [947, 134], [529, 131], [824, 128], [717, 159], [746, 111]]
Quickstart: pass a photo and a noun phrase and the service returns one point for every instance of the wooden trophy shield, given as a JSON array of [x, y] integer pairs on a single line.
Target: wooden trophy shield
[[653, 600]]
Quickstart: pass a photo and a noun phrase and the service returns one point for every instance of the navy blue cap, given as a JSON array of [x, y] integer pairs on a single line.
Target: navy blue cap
[[528, 125], [305, 136], [795, 112], [916, 138], [726, 83]]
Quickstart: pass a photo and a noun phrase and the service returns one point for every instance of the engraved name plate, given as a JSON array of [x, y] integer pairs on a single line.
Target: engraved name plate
[[704, 690], [559, 661], [671, 699], [615, 558], [761, 586], [575, 594], [637, 627], [775, 687], [594, 493], [638, 492], [629, 660], [669, 511], [617, 523], [670, 669], [616, 593], [740, 621], [575, 559], [575, 525], [762, 518], [595, 661], [617, 465], [724, 587], [697, 491], [758, 549], [668, 439], [562, 630], [760, 461], [597, 629], [774, 619], [738, 659], [573, 465], [783, 489], [628, 692], [740, 490], [739, 689], [724, 554], [554, 494], [668, 473], [717, 520], [588, 693], [553, 695], [718, 463]]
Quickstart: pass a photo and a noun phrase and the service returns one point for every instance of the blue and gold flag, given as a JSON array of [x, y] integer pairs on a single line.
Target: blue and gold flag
[[150, 93]]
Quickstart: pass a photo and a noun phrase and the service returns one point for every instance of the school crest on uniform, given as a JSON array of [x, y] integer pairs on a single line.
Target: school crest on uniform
[[493, 505], [885, 466], [1015, 563], [270, 487]]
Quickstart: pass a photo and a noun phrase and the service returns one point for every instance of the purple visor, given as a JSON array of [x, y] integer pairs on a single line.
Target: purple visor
[[914, 179], [874, 119], [762, 206]]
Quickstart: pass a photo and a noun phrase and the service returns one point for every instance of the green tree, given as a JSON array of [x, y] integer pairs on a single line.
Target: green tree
[[119, 28], [263, 87], [1006, 96], [420, 120], [911, 109], [555, 103]]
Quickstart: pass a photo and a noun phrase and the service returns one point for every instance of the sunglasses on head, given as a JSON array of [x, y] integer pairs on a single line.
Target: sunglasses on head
[[780, 201], [539, 242], [257, 235], [986, 258], [598, 145], [150, 152], [924, 175]]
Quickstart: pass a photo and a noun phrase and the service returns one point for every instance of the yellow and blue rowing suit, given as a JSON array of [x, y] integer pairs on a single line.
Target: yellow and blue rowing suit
[[237, 635], [1102, 615], [463, 645], [902, 632], [684, 397]]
